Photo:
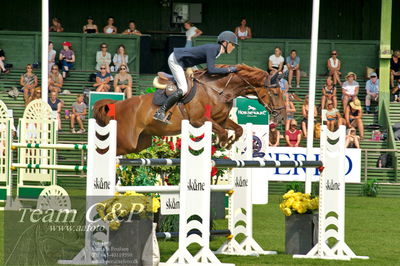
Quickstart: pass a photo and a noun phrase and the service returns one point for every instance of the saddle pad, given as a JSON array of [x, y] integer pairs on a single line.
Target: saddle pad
[[159, 97]]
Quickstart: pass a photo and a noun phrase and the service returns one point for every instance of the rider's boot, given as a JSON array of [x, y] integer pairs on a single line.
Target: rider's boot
[[174, 98]]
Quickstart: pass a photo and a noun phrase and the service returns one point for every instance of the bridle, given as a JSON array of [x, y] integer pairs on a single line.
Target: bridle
[[274, 111]]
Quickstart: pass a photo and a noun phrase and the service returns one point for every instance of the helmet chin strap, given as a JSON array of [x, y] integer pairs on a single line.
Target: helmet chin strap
[[226, 47]]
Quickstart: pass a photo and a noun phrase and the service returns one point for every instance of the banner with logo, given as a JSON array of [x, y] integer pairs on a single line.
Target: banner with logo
[[352, 165], [251, 111]]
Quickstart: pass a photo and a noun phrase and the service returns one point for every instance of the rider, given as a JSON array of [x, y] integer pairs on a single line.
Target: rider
[[182, 58]]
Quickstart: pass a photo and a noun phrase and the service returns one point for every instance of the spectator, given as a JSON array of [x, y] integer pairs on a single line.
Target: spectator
[[243, 31], [2, 59], [274, 135], [293, 135], [275, 62], [284, 85], [103, 79], [350, 89], [55, 80], [304, 111], [293, 65], [36, 94], [396, 93], [56, 25], [123, 82], [372, 88], [290, 111], [52, 56], [90, 27], [29, 82], [334, 66], [103, 58], [191, 32], [352, 140], [131, 30], [333, 117], [120, 58], [78, 113], [353, 116], [110, 28], [394, 67], [329, 93], [67, 58], [56, 105]]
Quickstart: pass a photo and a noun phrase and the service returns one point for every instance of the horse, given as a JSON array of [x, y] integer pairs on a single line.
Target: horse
[[215, 94]]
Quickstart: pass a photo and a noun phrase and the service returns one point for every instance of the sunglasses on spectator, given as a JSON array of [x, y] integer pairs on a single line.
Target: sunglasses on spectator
[[102, 68], [373, 77], [333, 53]]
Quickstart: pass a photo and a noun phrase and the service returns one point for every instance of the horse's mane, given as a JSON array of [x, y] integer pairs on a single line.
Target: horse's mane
[[254, 75]]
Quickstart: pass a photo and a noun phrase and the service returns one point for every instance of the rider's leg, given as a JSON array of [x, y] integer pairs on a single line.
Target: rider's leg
[[179, 75]]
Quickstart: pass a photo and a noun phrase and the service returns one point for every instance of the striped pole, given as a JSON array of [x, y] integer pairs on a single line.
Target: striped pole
[[49, 167], [167, 189], [169, 235], [49, 146], [224, 163]]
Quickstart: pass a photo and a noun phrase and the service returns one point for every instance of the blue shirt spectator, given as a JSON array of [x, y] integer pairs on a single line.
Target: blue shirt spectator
[[372, 87], [283, 84], [293, 62]]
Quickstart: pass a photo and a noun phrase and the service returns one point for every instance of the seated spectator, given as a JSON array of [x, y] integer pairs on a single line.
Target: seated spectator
[[120, 58], [55, 80], [353, 116], [290, 111], [110, 28], [275, 62], [394, 68], [103, 79], [352, 140], [79, 110], [123, 82], [293, 65], [56, 105], [243, 31], [103, 58], [334, 66], [293, 135], [56, 25], [67, 58], [274, 135], [36, 94], [191, 32], [396, 93], [333, 117], [131, 30], [90, 27], [52, 56], [2, 59], [372, 88], [284, 85], [350, 89], [29, 82], [304, 111], [329, 93]]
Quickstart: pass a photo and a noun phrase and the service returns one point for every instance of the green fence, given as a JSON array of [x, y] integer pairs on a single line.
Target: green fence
[[24, 47], [354, 55]]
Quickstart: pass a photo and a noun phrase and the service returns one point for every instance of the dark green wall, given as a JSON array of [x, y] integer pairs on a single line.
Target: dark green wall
[[340, 19]]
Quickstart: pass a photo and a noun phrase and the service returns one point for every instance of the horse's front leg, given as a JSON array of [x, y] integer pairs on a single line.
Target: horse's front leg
[[229, 124]]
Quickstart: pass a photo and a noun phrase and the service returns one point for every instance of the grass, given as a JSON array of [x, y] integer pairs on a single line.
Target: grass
[[372, 229]]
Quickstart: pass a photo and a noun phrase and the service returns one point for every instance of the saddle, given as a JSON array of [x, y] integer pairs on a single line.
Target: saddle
[[164, 81]]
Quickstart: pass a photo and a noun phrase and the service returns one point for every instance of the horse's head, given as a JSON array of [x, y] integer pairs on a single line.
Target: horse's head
[[266, 88]]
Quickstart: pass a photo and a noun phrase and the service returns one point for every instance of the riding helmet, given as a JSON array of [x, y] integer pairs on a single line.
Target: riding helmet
[[227, 36]]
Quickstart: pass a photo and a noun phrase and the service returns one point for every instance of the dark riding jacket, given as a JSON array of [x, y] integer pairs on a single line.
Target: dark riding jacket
[[207, 53]]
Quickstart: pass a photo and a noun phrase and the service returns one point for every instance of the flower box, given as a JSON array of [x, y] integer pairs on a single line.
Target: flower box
[[301, 233]]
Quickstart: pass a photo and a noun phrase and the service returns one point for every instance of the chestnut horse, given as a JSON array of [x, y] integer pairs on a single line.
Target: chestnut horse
[[136, 125]]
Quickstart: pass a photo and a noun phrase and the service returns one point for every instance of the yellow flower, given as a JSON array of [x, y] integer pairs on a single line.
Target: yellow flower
[[288, 194], [114, 225], [155, 205], [287, 212], [289, 202]]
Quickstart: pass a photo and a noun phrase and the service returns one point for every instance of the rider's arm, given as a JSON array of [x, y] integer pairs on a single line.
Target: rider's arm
[[216, 70]]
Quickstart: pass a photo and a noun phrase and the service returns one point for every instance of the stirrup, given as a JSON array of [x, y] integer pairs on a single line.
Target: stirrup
[[164, 117]]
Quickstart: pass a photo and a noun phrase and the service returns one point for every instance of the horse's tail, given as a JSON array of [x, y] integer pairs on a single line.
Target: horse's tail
[[100, 111]]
